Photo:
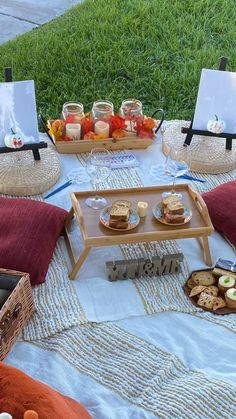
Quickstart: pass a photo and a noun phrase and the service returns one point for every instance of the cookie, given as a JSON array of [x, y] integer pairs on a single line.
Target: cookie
[[206, 300], [191, 284], [203, 278], [197, 290], [219, 272], [218, 303], [211, 290]]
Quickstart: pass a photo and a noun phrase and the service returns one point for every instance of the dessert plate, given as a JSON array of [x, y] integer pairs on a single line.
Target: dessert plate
[[133, 220], [157, 212]]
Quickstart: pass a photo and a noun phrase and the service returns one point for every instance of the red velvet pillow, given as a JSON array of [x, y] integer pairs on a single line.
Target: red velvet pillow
[[221, 204], [28, 234], [19, 392]]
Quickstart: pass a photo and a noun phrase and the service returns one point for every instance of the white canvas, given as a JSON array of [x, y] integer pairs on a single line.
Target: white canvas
[[216, 96], [18, 110]]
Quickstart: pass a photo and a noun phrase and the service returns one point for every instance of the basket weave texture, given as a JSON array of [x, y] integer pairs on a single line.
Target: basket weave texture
[[207, 154], [21, 175], [17, 309]]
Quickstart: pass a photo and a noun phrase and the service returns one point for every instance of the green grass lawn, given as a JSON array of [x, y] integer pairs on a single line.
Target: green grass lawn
[[113, 49]]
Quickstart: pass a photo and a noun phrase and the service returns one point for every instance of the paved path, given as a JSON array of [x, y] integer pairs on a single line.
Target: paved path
[[19, 16]]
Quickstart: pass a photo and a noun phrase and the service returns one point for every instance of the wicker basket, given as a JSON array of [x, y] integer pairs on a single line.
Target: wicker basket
[[16, 310]]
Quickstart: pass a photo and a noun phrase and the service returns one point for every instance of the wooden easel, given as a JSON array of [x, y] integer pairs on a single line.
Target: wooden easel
[[190, 131], [32, 146]]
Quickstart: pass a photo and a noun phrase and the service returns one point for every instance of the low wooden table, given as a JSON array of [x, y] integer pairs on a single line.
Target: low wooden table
[[149, 229]]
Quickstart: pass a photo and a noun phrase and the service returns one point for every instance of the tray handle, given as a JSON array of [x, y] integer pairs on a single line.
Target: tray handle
[[161, 119], [77, 210], [200, 204]]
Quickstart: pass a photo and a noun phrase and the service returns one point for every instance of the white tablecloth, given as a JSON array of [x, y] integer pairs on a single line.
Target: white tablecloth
[[200, 345]]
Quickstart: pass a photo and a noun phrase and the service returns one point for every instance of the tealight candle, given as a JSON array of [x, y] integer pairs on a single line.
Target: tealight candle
[[5, 415], [142, 208], [30, 414], [102, 127], [73, 131]]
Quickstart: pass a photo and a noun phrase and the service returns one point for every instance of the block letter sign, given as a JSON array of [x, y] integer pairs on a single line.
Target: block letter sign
[[136, 268]]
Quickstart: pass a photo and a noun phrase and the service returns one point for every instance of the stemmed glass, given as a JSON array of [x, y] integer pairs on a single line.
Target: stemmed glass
[[177, 164], [98, 167]]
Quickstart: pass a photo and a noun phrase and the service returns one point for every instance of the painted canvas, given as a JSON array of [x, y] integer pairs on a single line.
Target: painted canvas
[[216, 96], [18, 112]]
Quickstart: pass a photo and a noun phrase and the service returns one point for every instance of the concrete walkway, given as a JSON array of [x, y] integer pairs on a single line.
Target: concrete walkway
[[19, 16]]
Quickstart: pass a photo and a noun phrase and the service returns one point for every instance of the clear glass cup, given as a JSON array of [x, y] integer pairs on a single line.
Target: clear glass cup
[[98, 167], [131, 108], [178, 164], [102, 110], [73, 112]]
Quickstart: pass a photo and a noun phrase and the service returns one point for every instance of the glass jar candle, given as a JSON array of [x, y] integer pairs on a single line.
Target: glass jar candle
[[130, 110], [73, 115], [131, 107], [101, 112]]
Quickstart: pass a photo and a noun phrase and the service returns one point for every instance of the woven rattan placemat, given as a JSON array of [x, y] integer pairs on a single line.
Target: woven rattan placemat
[[21, 175], [208, 154]]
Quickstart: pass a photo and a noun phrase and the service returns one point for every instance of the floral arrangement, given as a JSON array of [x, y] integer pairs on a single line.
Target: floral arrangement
[[138, 126]]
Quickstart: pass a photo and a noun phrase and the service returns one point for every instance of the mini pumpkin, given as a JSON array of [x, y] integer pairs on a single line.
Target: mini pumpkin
[[217, 126], [13, 140]]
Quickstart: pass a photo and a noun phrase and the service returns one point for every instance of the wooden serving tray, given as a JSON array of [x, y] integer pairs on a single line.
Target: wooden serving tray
[[81, 146], [224, 310], [94, 233]]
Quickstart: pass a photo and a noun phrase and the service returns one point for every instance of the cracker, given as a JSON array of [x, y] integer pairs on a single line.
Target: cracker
[[218, 303], [206, 300], [203, 278], [211, 290], [191, 283], [197, 290]]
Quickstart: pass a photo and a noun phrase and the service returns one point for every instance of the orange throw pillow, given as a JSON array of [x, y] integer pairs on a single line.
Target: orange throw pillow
[[19, 392]]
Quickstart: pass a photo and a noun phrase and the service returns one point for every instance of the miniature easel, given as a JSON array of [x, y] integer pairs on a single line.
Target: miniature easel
[[32, 146], [190, 132]]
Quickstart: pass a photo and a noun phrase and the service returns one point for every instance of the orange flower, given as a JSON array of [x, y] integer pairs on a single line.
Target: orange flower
[[69, 119], [118, 133], [145, 133], [117, 122], [87, 126], [100, 137], [56, 128], [149, 123], [89, 136]]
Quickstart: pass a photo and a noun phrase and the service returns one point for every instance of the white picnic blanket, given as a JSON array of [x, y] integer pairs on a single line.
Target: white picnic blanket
[[135, 354]]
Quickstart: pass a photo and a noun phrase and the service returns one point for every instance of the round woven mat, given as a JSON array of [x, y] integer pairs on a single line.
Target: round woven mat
[[207, 154], [21, 175]]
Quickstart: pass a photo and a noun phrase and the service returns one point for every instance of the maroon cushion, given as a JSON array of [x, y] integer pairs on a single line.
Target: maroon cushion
[[28, 234], [221, 204]]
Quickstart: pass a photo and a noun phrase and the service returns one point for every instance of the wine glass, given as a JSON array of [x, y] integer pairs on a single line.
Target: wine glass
[[98, 167], [178, 164]]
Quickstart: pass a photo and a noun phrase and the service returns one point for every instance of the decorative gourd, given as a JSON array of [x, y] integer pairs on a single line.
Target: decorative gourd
[[13, 140], [217, 126]]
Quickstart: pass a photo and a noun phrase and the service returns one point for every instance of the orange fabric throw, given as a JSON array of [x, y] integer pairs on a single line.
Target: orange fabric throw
[[19, 393]]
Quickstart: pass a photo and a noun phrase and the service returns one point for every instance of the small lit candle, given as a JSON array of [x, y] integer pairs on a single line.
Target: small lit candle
[[73, 131], [129, 130], [30, 414], [102, 127], [142, 208]]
